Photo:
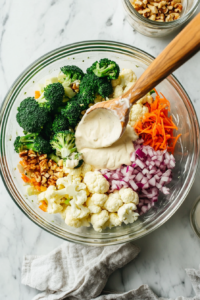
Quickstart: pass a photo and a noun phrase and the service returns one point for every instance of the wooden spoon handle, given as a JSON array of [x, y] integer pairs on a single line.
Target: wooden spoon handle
[[182, 48]]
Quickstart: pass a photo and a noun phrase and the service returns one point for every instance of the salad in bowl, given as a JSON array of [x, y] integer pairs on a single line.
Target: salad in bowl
[[102, 186], [104, 195]]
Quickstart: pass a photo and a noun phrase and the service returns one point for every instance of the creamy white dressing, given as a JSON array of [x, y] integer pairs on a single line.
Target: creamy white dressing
[[113, 156], [99, 128]]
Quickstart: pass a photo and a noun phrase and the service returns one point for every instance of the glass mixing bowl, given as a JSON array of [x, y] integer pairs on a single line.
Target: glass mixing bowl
[[83, 54]]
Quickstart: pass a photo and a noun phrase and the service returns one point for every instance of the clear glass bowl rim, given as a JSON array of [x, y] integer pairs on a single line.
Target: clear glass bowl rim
[[162, 25], [89, 46]]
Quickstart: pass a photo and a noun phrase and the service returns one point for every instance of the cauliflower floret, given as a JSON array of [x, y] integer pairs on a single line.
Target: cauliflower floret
[[128, 86], [118, 91], [136, 113], [126, 213], [85, 168], [73, 222], [73, 172], [114, 220], [73, 189], [114, 202], [93, 208], [98, 220], [146, 99], [96, 183], [53, 199], [99, 199], [128, 195], [78, 211], [116, 82], [127, 75]]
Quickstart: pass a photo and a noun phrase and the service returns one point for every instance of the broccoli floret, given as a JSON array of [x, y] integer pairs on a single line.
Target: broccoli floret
[[72, 112], [32, 141], [64, 143], [105, 68], [52, 96], [73, 161], [105, 89], [31, 117], [60, 123], [71, 73], [46, 131], [89, 84]]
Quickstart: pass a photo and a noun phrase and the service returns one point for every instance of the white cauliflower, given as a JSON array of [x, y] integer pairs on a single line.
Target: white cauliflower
[[96, 183], [114, 220], [93, 208], [73, 189], [114, 202], [85, 168], [99, 199], [126, 213], [78, 211], [118, 91], [128, 195], [128, 86], [73, 222], [127, 75], [73, 172], [53, 198], [98, 220], [146, 99], [136, 113]]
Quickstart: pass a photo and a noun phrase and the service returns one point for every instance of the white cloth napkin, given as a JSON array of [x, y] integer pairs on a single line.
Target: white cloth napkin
[[75, 272]]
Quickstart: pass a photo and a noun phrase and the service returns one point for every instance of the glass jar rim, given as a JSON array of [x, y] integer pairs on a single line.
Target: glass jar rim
[[163, 25]]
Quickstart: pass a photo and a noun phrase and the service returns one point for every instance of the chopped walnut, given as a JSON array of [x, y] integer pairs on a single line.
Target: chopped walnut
[[52, 164], [42, 156], [43, 165], [32, 153], [159, 10], [51, 182], [23, 154]]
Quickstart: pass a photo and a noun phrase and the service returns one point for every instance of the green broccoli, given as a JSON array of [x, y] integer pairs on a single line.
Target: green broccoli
[[60, 123], [73, 161], [32, 141], [72, 112], [71, 73], [52, 96], [89, 84], [31, 117], [64, 143], [46, 131], [105, 89], [105, 68]]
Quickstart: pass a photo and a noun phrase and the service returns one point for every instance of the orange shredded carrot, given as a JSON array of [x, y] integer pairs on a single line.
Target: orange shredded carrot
[[25, 178], [37, 94], [43, 206], [156, 127]]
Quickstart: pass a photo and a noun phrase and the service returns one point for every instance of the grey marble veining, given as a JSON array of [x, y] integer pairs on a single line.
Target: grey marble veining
[[29, 29]]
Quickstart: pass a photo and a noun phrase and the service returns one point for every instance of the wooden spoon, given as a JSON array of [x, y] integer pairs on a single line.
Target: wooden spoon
[[182, 48]]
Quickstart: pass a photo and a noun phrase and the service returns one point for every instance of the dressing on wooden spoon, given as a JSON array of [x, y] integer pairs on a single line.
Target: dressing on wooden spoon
[[105, 122]]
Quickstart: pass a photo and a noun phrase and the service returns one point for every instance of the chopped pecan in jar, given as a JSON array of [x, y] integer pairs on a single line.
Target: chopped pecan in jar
[[159, 10]]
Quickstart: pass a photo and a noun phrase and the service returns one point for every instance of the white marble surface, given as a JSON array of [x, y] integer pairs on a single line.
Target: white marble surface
[[29, 29]]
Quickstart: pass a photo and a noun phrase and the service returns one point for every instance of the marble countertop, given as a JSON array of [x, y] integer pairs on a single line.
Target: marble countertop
[[29, 29]]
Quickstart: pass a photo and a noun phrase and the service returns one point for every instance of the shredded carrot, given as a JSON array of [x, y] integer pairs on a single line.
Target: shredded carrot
[[37, 94], [43, 206], [25, 178], [156, 127]]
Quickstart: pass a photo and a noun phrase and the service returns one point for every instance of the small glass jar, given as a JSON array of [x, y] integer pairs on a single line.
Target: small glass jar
[[195, 216], [158, 29]]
